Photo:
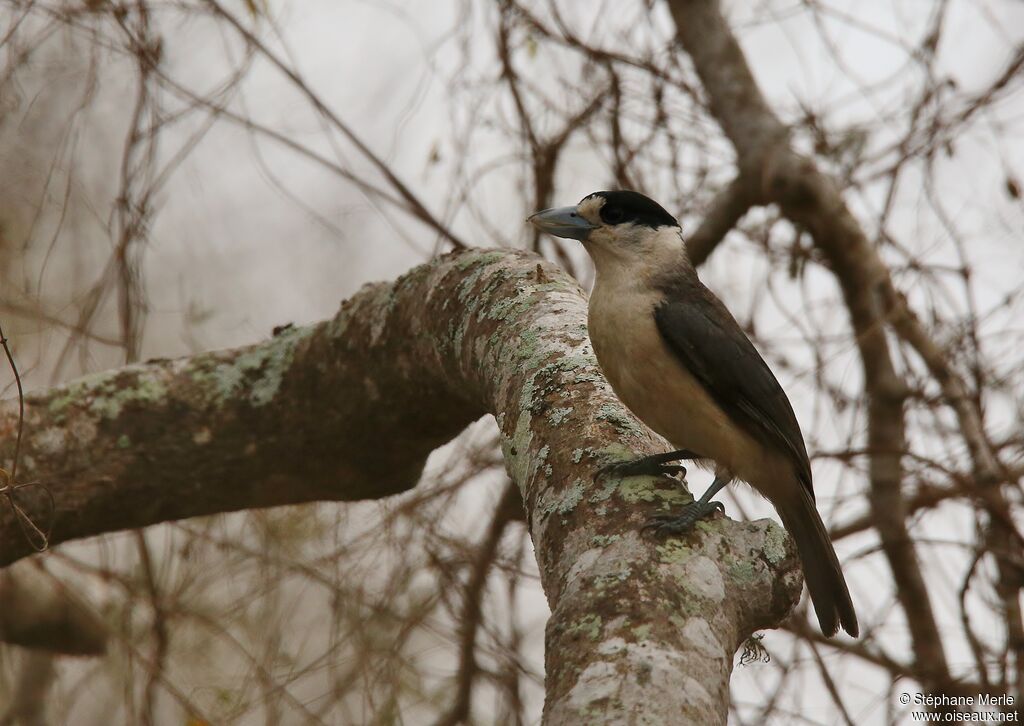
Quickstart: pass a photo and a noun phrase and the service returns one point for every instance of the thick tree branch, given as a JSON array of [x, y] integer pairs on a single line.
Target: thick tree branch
[[350, 408], [727, 208]]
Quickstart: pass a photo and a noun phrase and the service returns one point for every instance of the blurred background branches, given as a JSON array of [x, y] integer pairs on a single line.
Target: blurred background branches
[[186, 175]]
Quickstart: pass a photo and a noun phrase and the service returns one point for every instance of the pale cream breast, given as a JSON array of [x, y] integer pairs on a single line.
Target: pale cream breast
[[654, 385]]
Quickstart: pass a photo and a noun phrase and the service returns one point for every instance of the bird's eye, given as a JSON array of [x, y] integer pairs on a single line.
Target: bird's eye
[[612, 215]]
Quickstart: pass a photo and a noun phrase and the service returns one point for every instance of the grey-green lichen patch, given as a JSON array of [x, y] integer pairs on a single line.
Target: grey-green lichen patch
[[641, 632], [774, 546], [635, 489], [711, 525], [548, 378], [481, 267], [673, 497], [531, 401], [562, 502], [510, 308], [557, 415], [610, 579], [617, 417], [495, 279], [583, 366], [124, 441], [260, 370], [528, 341], [674, 551], [743, 571], [71, 393], [148, 389], [614, 452], [608, 485], [603, 540], [589, 626], [106, 394]]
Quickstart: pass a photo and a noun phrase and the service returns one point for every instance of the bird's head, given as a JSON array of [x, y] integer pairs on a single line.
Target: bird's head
[[617, 227]]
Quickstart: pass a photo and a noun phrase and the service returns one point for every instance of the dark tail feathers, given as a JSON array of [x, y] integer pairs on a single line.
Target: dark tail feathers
[[824, 576]]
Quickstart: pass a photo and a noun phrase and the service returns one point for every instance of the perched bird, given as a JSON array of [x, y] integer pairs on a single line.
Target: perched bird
[[679, 360]]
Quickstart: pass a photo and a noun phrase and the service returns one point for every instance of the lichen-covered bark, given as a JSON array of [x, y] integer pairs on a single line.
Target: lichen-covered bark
[[642, 630]]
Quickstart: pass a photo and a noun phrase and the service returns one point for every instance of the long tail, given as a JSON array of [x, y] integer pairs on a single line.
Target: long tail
[[824, 576]]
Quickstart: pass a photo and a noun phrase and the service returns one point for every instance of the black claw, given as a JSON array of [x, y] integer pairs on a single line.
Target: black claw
[[658, 519], [639, 467], [653, 465], [668, 524]]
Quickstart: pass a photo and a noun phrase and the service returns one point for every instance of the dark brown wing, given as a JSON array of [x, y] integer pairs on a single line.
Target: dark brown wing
[[708, 341]]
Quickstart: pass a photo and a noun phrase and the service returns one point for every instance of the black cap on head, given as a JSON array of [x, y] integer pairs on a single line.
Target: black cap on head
[[625, 206]]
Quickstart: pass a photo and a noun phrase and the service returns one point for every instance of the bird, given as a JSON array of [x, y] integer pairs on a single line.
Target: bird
[[677, 358]]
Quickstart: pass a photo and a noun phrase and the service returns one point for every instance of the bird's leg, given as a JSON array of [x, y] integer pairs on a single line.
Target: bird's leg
[[653, 465], [692, 512]]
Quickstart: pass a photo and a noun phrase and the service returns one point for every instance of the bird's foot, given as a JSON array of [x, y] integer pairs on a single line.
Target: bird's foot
[[668, 524], [644, 466]]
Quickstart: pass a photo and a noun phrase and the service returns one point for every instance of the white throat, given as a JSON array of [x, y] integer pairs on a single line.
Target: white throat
[[636, 255]]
